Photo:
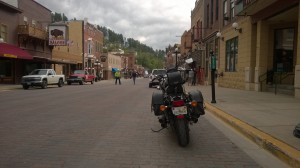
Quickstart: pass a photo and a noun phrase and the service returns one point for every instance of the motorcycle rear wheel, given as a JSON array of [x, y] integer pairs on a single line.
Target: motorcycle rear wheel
[[182, 132]]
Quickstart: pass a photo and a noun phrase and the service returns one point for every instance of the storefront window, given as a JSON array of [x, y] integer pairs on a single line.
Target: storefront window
[[232, 9], [284, 50], [231, 54], [225, 17], [5, 68], [3, 32]]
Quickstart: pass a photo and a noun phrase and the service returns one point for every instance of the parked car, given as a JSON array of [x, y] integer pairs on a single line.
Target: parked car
[[153, 81], [81, 76], [42, 78], [146, 74]]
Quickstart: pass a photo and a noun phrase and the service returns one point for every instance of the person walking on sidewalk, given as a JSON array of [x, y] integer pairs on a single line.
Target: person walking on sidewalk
[[133, 75], [191, 76], [118, 77], [194, 77]]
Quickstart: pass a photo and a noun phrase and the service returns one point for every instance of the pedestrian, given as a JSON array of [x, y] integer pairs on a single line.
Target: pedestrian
[[118, 77], [133, 75], [194, 77], [191, 76]]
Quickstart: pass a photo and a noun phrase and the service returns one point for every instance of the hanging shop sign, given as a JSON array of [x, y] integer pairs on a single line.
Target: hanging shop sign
[[58, 35]]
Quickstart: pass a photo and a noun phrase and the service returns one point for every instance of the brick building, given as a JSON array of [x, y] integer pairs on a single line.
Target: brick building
[[93, 46], [23, 29]]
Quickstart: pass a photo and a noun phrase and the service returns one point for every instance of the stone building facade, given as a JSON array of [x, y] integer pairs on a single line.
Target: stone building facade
[[113, 61], [263, 50], [69, 57], [83, 50], [256, 42]]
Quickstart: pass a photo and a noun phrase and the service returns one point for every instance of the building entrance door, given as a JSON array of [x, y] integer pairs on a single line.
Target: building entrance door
[[283, 60]]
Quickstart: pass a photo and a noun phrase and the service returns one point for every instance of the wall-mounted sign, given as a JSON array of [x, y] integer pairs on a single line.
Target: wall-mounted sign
[[58, 35], [190, 60], [213, 63]]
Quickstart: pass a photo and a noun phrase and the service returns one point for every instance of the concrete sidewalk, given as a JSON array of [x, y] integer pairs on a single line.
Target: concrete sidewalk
[[265, 118], [7, 87]]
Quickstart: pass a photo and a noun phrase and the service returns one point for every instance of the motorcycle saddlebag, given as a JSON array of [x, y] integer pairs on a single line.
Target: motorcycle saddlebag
[[174, 78], [157, 100], [196, 95]]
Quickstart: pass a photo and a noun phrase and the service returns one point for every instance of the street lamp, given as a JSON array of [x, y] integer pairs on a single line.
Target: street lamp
[[176, 55], [235, 25], [97, 74], [103, 58], [213, 69], [219, 35]]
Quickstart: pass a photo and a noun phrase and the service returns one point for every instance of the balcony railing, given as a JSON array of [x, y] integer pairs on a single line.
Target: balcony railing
[[32, 32], [245, 2], [245, 6], [248, 2]]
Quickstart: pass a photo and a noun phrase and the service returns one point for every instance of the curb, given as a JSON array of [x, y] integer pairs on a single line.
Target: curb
[[8, 88], [281, 150]]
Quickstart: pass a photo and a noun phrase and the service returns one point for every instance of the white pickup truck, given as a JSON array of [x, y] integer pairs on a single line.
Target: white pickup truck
[[42, 78]]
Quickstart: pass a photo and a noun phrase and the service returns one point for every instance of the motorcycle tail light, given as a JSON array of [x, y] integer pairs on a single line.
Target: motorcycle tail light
[[178, 103], [180, 116], [194, 104], [162, 108]]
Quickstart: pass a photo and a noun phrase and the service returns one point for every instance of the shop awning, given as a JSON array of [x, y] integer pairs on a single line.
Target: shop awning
[[12, 51]]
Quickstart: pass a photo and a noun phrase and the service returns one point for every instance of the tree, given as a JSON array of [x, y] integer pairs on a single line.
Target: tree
[[57, 17], [146, 56]]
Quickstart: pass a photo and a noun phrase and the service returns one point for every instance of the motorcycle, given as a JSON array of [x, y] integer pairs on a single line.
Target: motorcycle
[[175, 107]]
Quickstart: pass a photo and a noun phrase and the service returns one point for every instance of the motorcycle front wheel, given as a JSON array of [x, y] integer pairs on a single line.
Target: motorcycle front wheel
[[182, 132]]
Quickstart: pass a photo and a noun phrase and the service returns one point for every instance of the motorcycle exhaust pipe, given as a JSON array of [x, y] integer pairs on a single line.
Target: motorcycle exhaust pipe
[[162, 121]]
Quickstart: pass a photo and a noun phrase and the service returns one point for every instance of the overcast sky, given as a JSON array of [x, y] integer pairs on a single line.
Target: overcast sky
[[156, 23]]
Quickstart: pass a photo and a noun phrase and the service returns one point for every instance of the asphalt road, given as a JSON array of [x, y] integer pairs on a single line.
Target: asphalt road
[[104, 125]]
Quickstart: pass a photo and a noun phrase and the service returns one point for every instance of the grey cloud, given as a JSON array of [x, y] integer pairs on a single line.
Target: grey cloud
[[131, 18]]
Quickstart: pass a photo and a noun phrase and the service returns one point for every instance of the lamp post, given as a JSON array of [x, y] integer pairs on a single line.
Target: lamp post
[[103, 59], [126, 67], [235, 25], [213, 69], [219, 35], [176, 55], [97, 73]]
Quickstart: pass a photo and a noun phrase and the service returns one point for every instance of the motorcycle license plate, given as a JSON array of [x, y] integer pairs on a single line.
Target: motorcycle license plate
[[179, 110]]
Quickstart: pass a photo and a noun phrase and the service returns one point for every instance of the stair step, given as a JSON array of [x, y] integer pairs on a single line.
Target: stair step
[[283, 89]]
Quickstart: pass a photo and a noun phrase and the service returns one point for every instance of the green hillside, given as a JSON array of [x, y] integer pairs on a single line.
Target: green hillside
[[146, 56]]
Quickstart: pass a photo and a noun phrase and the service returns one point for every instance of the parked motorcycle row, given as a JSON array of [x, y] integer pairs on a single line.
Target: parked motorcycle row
[[175, 107]]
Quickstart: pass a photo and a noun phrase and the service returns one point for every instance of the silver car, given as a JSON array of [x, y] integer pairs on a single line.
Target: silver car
[[153, 81]]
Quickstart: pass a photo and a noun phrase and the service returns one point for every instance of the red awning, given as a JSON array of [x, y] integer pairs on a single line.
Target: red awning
[[12, 51]]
